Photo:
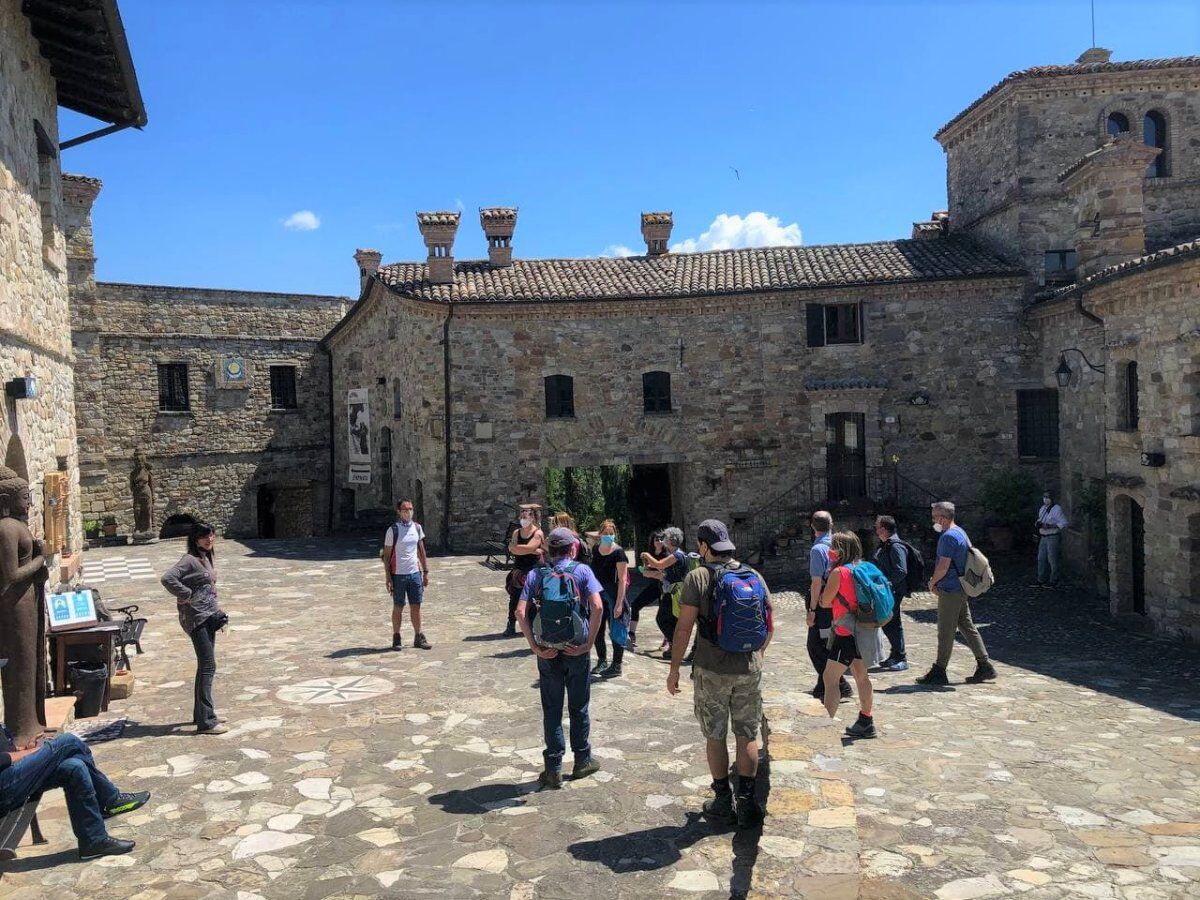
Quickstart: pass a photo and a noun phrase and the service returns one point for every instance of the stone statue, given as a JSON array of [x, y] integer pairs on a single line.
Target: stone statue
[[23, 576], [141, 485]]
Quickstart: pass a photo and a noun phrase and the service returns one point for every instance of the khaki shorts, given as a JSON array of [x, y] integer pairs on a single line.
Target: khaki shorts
[[720, 698]]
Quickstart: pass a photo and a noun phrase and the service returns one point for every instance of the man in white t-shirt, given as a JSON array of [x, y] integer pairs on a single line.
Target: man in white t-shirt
[[405, 572]]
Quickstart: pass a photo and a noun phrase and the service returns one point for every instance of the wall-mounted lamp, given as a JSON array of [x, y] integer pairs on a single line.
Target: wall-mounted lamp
[[22, 388], [1064, 372], [920, 398]]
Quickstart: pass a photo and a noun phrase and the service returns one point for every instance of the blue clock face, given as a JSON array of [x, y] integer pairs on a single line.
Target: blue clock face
[[234, 370]]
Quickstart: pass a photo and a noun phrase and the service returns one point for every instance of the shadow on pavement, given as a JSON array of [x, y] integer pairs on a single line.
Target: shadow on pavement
[[498, 636], [357, 651], [482, 799], [643, 851], [37, 863], [512, 654], [322, 550], [162, 729]]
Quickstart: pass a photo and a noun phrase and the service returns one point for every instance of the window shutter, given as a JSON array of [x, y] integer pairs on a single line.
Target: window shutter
[[862, 323], [816, 325]]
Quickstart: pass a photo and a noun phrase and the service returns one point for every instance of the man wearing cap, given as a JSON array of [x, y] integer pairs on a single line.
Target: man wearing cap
[[727, 686], [564, 670]]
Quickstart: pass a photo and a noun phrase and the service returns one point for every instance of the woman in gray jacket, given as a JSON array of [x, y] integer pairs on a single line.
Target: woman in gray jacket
[[193, 583]]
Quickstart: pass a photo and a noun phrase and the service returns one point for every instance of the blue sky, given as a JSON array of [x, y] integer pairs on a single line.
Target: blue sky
[[582, 114]]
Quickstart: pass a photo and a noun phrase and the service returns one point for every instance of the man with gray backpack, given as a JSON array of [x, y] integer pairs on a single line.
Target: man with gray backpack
[[566, 595]]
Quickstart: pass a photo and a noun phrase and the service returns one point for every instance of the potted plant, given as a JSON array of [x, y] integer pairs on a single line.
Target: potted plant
[[91, 528], [110, 526], [1011, 501]]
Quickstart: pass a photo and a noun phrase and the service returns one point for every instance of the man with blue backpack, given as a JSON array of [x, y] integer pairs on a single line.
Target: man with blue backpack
[[732, 605], [904, 567], [566, 595]]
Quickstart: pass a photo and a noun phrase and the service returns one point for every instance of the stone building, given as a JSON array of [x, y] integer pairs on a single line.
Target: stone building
[[225, 392], [757, 384], [51, 54]]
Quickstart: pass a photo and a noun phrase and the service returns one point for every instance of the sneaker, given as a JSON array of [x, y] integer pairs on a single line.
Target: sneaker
[[862, 728], [600, 666], [720, 809], [613, 671], [110, 846], [583, 770], [550, 781], [687, 660], [935, 676], [895, 665], [511, 629], [819, 690], [213, 729], [846, 691], [397, 642], [420, 643], [984, 671], [666, 654], [749, 813], [125, 802]]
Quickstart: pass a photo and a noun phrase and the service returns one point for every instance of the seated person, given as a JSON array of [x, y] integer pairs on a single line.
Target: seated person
[[65, 761]]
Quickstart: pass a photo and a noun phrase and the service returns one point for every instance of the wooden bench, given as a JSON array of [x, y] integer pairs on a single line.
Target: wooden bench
[[13, 826]]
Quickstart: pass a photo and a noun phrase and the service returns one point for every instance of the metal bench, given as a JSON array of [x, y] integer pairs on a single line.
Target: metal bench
[[498, 548], [131, 633], [14, 824]]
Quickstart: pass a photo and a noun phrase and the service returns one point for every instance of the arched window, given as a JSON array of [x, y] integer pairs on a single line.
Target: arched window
[[656, 392], [1154, 133], [1117, 123], [560, 397]]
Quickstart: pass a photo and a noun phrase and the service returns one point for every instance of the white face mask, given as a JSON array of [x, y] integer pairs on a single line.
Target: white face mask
[[525, 522], [939, 527], [406, 516]]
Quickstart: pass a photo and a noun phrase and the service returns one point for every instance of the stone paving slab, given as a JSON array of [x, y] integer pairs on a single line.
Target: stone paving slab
[[354, 771]]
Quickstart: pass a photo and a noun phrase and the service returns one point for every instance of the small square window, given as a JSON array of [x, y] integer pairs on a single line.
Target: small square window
[[842, 324], [173, 387], [283, 387], [656, 392], [1037, 424], [1060, 266], [560, 397]]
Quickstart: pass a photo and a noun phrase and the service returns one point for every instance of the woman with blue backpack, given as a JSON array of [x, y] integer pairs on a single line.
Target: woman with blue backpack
[[861, 599]]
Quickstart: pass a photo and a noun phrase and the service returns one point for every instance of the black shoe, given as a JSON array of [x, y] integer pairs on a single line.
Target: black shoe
[[862, 728], [846, 690], [550, 781], [397, 642], [600, 666], [125, 803], [687, 660], [749, 813], [583, 770], [613, 671], [511, 630], [819, 690], [984, 671], [420, 643], [936, 676], [110, 846], [720, 809]]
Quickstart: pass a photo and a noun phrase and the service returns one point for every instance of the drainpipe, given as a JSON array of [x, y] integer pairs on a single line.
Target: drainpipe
[[1087, 314], [449, 475], [332, 454]]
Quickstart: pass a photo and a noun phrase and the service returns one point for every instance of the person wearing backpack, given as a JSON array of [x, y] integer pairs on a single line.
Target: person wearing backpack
[[855, 617], [905, 571], [954, 607], [567, 597], [819, 567], [732, 606], [406, 572]]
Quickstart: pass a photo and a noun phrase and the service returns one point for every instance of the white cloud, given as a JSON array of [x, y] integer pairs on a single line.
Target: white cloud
[[618, 250], [302, 220], [728, 232]]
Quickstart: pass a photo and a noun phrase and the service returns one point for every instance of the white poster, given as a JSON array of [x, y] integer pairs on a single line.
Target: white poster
[[360, 475], [358, 419]]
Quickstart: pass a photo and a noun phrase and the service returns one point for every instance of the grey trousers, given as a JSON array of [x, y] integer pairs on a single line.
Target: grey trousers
[[954, 615]]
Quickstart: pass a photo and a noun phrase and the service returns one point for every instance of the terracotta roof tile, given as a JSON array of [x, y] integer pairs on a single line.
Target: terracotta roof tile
[[1177, 253]]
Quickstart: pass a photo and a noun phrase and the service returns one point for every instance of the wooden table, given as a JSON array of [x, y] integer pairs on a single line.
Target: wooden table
[[103, 634]]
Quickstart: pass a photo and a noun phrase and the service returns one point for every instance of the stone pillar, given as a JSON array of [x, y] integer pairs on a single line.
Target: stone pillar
[[499, 223], [79, 193], [368, 264], [438, 230], [656, 230], [1107, 189]]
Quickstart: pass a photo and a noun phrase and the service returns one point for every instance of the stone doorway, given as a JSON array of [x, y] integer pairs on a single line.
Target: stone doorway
[[1137, 557], [846, 455], [650, 501], [178, 525], [266, 511]]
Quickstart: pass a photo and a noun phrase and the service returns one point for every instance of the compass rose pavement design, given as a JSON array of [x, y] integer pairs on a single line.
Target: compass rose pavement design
[[345, 689]]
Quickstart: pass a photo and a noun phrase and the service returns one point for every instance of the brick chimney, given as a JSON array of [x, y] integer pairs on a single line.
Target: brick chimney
[[1106, 186], [499, 223], [438, 230], [79, 193], [1093, 55], [368, 264], [656, 229]]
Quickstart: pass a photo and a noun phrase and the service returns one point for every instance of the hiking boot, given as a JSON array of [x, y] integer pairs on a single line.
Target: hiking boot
[[125, 803], [862, 728], [397, 642], [845, 689], [749, 813], [936, 676], [984, 671], [583, 770], [550, 781], [420, 643], [110, 846], [511, 629], [213, 729], [600, 666], [613, 671], [720, 809]]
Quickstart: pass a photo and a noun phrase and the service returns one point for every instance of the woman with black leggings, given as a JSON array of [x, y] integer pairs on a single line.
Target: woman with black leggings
[[649, 595]]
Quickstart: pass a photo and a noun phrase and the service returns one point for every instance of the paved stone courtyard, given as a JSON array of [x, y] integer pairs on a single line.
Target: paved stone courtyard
[[352, 771]]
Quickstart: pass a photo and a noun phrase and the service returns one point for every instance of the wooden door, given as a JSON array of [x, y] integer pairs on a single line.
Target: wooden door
[[846, 456]]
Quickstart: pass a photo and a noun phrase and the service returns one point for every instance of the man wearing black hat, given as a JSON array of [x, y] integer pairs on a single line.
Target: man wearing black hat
[[65, 761], [727, 685]]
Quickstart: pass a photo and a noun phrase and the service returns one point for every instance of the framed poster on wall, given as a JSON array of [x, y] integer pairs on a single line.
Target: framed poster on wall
[[358, 422]]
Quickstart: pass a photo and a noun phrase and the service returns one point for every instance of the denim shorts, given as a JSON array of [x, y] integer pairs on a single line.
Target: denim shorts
[[408, 589]]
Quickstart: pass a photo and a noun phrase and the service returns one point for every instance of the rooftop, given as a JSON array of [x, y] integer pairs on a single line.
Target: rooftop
[[1166, 256], [711, 273]]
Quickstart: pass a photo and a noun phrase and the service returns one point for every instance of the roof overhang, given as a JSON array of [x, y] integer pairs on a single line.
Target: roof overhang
[[84, 42]]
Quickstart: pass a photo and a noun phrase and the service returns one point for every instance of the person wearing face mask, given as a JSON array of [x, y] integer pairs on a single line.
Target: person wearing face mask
[[527, 546], [1051, 521], [954, 607], [609, 564], [406, 573]]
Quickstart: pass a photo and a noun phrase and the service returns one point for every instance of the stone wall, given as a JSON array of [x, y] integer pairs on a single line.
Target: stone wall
[[749, 398], [36, 436]]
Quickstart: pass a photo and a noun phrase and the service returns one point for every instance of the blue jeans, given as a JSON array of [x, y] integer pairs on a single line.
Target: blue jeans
[[62, 762], [204, 642], [1049, 557], [894, 631], [408, 589], [569, 675]]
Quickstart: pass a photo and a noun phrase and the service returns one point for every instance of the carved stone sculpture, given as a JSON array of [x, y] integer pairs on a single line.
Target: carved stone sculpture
[[141, 485], [23, 575]]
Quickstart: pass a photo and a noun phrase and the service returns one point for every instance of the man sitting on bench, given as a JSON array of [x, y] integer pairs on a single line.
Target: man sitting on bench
[[65, 761]]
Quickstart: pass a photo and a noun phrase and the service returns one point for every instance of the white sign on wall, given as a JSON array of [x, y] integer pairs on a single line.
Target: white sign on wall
[[358, 422], [360, 475]]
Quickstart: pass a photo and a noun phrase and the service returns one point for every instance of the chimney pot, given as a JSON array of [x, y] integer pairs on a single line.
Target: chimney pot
[[368, 264], [79, 194], [1093, 55], [656, 230], [499, 223], [438, 230]]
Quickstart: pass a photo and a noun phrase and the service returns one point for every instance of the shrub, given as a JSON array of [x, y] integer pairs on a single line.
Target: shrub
[[1011, 498]]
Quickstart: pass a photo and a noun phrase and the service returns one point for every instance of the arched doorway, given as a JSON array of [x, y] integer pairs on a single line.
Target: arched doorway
[[178, 525], [1137, 556], [14, 457], [385, 466], [1128, 543], [266, 511]]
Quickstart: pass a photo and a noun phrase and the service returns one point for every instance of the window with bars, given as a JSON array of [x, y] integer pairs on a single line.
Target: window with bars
[[560, 397], [1037, 424], [656, 392], [834, 323], [173, 387], [283, 387]]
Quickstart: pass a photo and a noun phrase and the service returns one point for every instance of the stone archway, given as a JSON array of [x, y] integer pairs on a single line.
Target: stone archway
[[178, 525]]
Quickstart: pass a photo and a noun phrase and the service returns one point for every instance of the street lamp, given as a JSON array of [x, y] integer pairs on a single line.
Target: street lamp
[[1063, 373]]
